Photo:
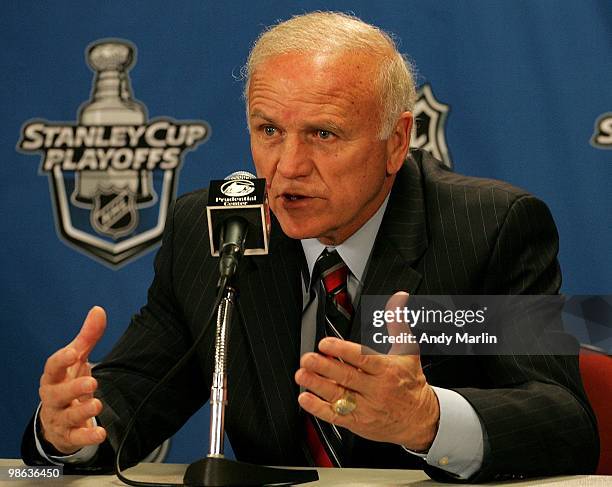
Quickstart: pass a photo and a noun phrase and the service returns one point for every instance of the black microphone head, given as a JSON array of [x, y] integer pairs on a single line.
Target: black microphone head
[[242, 195]]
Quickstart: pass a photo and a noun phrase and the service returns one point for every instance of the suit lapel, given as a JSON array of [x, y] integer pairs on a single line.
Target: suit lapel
[[401, 240]]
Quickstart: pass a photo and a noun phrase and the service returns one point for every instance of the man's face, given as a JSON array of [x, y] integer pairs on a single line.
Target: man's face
[[314, 122]]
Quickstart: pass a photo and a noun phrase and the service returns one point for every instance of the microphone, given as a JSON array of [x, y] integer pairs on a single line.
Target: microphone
[[238, 219]]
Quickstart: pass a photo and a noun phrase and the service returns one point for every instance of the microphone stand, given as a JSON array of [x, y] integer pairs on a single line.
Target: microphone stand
[[215, 470]]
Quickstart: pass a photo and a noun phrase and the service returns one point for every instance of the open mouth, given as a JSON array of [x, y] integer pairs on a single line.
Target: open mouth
[[293, 197]]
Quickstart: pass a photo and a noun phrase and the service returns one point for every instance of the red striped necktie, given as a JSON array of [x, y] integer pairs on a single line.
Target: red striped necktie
[[330, 278], [338, 309]]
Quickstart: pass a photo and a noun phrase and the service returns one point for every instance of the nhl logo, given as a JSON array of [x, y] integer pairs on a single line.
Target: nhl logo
[[113, 173], [114, 213], [430, 119]]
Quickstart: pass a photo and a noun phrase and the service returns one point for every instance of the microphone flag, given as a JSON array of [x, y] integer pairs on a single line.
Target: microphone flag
[[242, 196]]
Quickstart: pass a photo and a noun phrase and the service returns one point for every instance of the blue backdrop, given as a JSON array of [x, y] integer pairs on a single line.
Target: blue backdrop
[[527, 83]]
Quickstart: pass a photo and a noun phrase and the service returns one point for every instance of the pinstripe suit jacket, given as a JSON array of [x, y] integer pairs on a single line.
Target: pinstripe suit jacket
[[442, 233]]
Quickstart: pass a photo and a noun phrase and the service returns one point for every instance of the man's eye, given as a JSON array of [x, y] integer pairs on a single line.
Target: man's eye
[[269, 130], [324, 134]]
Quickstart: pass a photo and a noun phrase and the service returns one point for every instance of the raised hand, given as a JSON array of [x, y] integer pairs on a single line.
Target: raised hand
[[66, 391], [394, 402]]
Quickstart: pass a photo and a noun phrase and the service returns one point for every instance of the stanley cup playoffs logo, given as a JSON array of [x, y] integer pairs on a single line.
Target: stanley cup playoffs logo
[[113, 173]]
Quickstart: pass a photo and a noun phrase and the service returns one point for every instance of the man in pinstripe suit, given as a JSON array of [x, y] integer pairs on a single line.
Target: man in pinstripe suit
[[330, 130]]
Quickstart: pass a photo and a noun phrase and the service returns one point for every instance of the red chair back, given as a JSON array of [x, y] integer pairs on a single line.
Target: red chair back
[[596, 372]]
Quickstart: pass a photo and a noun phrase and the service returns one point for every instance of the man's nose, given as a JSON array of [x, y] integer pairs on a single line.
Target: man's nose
[[294, 160]]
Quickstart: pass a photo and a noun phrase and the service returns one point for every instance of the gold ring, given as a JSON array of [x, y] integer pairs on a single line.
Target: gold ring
[[345, 405]]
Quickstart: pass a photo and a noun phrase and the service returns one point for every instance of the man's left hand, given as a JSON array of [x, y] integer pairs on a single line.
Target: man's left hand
[[394, 402]]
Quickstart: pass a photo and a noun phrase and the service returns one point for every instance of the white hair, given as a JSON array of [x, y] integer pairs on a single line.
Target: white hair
[[338, 32]]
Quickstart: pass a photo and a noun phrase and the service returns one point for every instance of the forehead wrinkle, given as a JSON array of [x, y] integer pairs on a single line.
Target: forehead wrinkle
[[318, 111], [336, 99], [262, 106]]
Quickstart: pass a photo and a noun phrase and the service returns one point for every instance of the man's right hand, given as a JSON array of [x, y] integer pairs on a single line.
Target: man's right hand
[[66, 391]]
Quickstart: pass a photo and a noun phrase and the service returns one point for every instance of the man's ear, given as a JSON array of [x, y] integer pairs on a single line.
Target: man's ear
[[398, 143]]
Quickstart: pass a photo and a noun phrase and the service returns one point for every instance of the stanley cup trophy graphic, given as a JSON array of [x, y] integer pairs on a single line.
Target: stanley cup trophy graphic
[[113, 173], [112, 194]]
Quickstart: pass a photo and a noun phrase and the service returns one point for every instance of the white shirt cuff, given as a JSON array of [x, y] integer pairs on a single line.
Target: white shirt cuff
[[459, 443], [81, 456]]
